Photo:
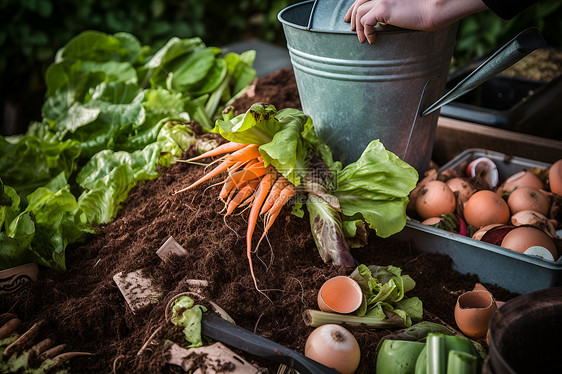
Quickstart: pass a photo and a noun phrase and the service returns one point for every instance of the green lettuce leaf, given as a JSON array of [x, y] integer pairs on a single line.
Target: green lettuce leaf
[[58, 221], [114, 110], [384, 289], [240, 69], [102, 202], [375, 188], [257, 126], [27, 162], [188, 315]]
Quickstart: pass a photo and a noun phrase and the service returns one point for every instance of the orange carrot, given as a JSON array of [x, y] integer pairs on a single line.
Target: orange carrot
[[252, 172], [289, 191], [259, 197], [220, 150], [245, 154], [223, 166], [274, 194], [226, 189], [242, 195]]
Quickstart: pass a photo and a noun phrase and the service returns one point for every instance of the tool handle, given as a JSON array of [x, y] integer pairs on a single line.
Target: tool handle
[[214, 327]]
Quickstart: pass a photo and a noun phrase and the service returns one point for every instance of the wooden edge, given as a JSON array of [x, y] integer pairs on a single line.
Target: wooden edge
[[453, 136]]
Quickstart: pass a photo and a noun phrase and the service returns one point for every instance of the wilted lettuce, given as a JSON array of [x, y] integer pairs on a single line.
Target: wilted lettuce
[[188, 315], [385, 291]]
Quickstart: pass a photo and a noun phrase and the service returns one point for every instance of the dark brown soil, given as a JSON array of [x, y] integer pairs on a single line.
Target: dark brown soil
[[84, 308]]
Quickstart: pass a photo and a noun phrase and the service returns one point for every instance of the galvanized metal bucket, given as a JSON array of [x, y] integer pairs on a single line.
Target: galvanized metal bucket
[[356, 93]]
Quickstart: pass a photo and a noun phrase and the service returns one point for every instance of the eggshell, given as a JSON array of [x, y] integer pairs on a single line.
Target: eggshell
[[462, 186], [340, 295], [434, 199], [335, 347], [521, 179], [431, 221], [486, 207], [473, 311], [485, 170], [528, 198], [555, 177], [483, 230], [521, 239]]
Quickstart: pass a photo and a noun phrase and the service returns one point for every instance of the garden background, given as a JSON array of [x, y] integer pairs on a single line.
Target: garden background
[[33, 30]]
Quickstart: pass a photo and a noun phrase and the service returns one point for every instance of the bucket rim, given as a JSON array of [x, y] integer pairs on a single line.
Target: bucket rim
[[387, 29]]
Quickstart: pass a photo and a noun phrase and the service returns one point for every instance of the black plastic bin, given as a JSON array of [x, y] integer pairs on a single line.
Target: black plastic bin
[[510, 103]]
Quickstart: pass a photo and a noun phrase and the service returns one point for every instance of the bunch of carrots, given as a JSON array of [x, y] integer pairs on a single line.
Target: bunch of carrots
[[248, 182]]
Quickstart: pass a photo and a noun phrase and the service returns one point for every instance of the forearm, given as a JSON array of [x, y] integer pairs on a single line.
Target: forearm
[[443, 13]]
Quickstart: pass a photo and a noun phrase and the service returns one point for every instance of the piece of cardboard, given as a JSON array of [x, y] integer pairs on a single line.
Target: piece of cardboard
[[169, 248], [211, 359], [138, 290]]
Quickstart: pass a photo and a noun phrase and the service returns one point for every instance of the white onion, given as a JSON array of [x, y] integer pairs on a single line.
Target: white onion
[[335, 347]]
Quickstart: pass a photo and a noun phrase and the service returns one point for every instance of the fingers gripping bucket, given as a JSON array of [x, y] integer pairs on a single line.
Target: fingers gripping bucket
[[356, 93]]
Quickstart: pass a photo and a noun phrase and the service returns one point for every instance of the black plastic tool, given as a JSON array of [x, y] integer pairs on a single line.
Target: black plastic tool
[[215, 327]]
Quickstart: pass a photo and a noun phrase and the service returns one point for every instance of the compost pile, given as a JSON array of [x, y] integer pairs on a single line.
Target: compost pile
[[84, 308]]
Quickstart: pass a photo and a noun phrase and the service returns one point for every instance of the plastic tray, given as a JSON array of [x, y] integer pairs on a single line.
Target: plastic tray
[[493, 264]]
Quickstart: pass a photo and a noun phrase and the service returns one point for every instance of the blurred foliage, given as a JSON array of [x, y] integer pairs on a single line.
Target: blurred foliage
[[482, 33], [32, 31]]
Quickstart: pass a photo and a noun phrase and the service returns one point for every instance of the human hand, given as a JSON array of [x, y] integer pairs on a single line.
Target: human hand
[[424, 15]]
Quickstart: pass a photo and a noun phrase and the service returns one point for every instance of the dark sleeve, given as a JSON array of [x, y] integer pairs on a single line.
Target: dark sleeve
[[507, 9]]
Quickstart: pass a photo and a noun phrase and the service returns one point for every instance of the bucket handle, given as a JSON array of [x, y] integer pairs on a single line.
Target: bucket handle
[[520, 46], [311, 16]]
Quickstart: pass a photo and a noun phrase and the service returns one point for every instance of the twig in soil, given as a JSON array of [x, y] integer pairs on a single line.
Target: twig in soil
[[415, 258], [114, 368], [302, 290], [63, 357], [97, 262], [149, 340], [40, 347], [456, 293], [163, 205], [230, 228], [9, 327], [257, 322]]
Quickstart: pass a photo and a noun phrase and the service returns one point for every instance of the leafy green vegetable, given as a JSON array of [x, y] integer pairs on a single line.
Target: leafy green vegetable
[[384, 303], [376, 188], [188, 315], [325, 214], [373, 190], [114, 110], [385, 293], [27, 162]]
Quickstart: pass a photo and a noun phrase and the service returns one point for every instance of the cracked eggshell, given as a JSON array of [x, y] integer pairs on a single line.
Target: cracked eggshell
[[521, 179], [461, 185]]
